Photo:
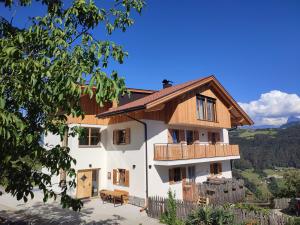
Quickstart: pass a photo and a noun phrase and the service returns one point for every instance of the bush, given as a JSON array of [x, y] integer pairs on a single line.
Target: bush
[[210, 216], [169, 217]]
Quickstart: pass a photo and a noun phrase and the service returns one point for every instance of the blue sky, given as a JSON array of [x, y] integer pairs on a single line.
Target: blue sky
[[253, 47]]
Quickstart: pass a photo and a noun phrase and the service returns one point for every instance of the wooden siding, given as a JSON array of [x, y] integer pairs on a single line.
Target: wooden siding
[[194, 151], [182, 111]]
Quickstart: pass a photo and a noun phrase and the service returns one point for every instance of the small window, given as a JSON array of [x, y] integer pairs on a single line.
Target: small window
[[175, 175], [121, 177], [216, 168], [90, 137], [121, 137]]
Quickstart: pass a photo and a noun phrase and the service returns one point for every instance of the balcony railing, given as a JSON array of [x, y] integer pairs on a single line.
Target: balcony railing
[[194, 151]]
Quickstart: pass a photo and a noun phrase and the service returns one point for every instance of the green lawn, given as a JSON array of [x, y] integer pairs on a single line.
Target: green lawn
[[249, 134]]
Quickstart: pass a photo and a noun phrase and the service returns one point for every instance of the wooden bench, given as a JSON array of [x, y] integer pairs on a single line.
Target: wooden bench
[[114, 196], [121, 196]]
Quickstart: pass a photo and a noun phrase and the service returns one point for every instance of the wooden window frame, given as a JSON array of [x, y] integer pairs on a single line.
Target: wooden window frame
[[116, 133], [205, 105], [89, 138], [172, 175], [219, 168], [126, 177]]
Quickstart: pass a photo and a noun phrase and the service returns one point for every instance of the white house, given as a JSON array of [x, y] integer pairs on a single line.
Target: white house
[[156, 140]]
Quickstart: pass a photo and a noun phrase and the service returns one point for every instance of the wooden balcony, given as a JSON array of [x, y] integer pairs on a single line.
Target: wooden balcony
[[194, 151]]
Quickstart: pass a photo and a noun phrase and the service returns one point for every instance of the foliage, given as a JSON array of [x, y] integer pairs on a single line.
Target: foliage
[[251, 207], [45, 69], [267, 148], [210, 216], [169, 216], [292, 181]]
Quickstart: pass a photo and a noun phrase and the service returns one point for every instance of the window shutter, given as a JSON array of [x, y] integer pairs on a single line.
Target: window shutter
[[211, 168], [196, 135], [115, 137], [171, 176], [127, 178], [114, 176], [62, 178], [181, 135], [219, 168], [170, 138], [218, 139], [127, 136]]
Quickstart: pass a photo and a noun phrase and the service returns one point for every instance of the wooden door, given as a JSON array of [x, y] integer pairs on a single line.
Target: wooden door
[[84, 184], [189, 188]]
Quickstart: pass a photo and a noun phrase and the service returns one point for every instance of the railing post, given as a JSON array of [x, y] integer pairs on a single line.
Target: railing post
[[181, 151], [167, 151]]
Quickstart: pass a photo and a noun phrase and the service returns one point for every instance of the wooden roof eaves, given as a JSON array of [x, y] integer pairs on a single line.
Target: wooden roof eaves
[[179, 92], [198, 84]]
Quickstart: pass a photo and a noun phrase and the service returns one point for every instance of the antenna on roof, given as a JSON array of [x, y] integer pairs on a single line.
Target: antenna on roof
[[167, 83]]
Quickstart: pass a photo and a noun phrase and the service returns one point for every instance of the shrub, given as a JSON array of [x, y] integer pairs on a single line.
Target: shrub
[[210, 216], [169, 217]]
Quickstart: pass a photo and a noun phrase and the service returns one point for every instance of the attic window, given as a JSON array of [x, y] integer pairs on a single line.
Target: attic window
[[206, 108]]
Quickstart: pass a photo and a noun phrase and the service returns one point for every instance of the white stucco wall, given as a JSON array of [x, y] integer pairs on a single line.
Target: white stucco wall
[[109, 156]]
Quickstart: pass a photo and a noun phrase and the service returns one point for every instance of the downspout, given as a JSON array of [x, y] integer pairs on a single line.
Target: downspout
[[146, 155], [231, 161]]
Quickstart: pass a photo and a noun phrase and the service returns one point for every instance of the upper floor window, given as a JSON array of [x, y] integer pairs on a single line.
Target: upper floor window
[[90, 137], [206, 108], [175, 136], [121, 137], [189, 137]]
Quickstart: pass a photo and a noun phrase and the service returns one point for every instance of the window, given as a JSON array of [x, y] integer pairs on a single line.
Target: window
[[200, 107], [189, 137], [191, 174], [121, 177], [175, 175], [216, 168], [90, 137], [210, 110], [206, 108], [175, 136], [121, 137], [213, 137]]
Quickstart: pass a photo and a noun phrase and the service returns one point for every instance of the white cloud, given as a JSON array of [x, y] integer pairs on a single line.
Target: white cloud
[[273, 108]]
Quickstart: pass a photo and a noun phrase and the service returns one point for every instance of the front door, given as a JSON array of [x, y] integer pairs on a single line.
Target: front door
[[84, 184]]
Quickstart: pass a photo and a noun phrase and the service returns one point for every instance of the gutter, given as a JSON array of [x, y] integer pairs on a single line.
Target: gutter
[[146, 156], [106, 114]]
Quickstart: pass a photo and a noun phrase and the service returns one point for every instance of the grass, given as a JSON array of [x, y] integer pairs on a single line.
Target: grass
[[258, 181], [249, 134], [261, 182]]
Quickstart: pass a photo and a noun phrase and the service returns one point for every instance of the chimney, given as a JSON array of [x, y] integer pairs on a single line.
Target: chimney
[[166, 83]]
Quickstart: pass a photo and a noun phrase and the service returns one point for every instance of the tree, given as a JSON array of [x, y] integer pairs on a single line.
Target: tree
[[45, 69]]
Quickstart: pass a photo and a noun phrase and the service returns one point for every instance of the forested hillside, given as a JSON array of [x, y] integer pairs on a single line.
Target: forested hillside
[[268, 148]]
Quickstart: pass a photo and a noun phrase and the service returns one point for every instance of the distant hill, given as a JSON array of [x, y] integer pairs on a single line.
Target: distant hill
[[268, 148], [292, 120]]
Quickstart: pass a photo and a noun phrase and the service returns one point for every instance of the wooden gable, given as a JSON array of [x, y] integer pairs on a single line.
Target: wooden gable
[[183, 110]]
